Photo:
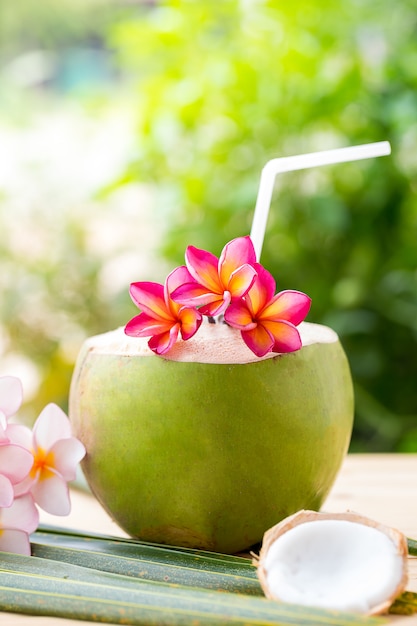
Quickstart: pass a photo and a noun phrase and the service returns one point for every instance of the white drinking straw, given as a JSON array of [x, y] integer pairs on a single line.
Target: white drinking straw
[[301, 162]]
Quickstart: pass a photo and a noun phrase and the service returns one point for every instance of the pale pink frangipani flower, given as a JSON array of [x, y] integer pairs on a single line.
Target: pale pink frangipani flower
[[56, 454], [17, 522], [35, 467]]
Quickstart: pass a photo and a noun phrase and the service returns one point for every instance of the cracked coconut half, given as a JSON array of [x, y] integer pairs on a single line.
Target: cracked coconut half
[[340, 561]]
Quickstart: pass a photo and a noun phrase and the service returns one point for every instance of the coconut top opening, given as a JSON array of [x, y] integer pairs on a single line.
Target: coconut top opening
[[334, 564], [213, 343]]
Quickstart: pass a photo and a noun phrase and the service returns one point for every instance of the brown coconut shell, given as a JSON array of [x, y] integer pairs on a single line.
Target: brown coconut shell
[[398, 539]]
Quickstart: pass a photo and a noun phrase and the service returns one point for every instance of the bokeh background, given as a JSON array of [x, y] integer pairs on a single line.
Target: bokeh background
[[129, 130]]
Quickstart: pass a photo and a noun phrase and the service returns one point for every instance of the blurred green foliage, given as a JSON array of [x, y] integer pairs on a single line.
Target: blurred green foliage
[[223, 87], [58, 115], [53, 24], [215, 91]]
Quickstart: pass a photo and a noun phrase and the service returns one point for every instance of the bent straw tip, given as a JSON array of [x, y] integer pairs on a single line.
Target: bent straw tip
[[304, 161]]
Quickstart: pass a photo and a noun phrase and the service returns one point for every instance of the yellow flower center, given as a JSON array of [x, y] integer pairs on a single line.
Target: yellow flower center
[[42, 463]]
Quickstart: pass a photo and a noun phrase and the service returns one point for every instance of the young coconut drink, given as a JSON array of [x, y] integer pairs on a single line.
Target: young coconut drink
[[205, 439], [340, 561]]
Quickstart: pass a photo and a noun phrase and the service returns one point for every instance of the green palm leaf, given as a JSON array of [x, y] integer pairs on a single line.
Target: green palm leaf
[[406, 604], [44, 587], [149, 561], [412, 547]]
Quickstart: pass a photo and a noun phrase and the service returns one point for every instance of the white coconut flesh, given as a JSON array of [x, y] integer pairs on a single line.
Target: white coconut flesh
[[213, 343], [340, 564]]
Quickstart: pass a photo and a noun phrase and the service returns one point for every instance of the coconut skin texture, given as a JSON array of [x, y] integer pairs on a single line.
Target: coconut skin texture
[[395, 537], [208, 454]]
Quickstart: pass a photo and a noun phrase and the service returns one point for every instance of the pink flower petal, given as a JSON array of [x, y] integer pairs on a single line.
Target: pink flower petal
[[161, 344], [194, 295], [15, 462], [259, 340], [11, 395], [15, 541], [51, 493], [286, 336], [24, 487], [262, 290], [175, 280], [190, 322], [217, 307], [150, 298], [203, 267], [51, 425], [21, 515], [145, 326], [6, 492], [238, 252], [178, 277], [239, 316], [67, 453], [288, 305], [20, 435], [3, 426], [241, 280]]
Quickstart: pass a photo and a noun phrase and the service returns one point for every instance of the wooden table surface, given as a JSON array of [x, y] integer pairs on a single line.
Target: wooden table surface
[[380, 486]]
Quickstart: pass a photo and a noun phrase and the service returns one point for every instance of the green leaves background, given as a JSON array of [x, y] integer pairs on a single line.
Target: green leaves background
[[222, 90]]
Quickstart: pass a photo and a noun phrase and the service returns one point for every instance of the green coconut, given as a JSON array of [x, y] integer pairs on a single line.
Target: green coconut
[[209, 446]]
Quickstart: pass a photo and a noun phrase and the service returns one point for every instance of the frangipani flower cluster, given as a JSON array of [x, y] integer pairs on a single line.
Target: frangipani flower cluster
[[233, 286], [35, 467]]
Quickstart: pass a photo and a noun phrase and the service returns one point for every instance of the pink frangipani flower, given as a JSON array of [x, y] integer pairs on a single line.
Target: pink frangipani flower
[[213, 283], [56, 455], [161, 318], [234, 286], [17, 522], [268, 322]]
